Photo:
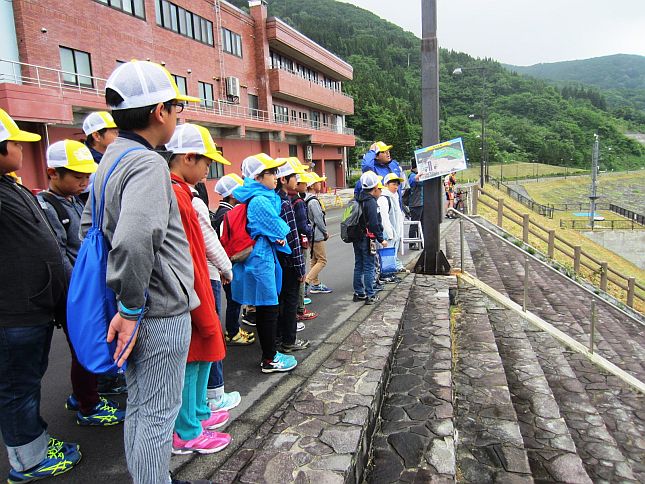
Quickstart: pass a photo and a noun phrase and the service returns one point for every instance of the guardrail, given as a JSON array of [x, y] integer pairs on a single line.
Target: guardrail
[[538, 208], [612, 224], [585, 265], [627, 213], [579, 206], [21, 73]]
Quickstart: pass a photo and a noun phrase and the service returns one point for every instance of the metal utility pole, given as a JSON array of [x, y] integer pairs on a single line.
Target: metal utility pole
[[432, 261], [594, 174]]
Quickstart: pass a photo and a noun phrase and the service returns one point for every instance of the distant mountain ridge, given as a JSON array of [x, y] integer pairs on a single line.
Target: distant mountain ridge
[[619, 71]]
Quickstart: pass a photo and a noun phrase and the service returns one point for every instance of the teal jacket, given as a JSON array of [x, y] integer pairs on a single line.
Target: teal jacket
[[257, 281]]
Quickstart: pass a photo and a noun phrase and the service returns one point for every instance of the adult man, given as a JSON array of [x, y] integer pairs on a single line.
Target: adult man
[[379, 160]]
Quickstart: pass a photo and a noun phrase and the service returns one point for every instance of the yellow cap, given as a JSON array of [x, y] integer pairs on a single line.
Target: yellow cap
[[392, 177], [9, 130], [72, 155], [305, 178], [252, 166], [291, 166], [96, 121], [193, 138], [382, 147]]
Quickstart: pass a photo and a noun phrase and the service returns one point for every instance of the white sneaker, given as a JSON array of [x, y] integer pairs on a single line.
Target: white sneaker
[[225, 402], [300, 326]]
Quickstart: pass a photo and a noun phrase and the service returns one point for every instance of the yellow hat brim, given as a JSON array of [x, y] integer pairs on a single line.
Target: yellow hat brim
[[216, 156], [88, 167], [379, 185], [189, 99], [24, 136], [386, 148], [274, 163]]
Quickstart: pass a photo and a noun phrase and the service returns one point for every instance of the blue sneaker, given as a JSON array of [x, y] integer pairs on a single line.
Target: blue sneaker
[[280, 363], [73, 404], [307, 300], [320, 289], [105, 413], [61, 457]]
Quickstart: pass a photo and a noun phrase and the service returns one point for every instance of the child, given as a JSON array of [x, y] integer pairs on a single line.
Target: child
[[69, 165], [316, 214], [305, 231], [31, 260], [234, 334], [293, 264], [371, 230], [149, 256], [100, 131], [189, 164], [391, 218], [257, 280]]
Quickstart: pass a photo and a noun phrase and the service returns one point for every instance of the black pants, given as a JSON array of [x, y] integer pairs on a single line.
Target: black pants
[[415, 215], [266, 318], [288, 299]]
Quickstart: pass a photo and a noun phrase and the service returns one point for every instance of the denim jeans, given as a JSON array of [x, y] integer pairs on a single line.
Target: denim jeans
[[24, 354], [288, 298], [363, 268], [216, 286]]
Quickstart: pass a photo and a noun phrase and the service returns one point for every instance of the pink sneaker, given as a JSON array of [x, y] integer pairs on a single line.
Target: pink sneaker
[[207, 443], [216, 420]]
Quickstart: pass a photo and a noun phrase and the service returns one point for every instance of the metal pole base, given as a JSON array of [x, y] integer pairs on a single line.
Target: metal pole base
[[441, 265]]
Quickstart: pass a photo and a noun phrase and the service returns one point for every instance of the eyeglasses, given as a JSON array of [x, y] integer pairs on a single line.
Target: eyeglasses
[[179, 106]]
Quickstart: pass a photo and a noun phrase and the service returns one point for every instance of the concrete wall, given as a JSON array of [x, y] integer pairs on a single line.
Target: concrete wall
[[626, 243]]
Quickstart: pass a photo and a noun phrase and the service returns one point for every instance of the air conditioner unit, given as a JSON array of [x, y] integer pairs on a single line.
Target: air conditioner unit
[[309, 152], [233, 87]]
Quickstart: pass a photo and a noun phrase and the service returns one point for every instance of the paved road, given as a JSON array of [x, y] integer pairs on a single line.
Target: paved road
[[102, 448]]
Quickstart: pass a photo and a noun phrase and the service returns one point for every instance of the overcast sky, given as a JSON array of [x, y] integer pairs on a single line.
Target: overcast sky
[[525, 32]]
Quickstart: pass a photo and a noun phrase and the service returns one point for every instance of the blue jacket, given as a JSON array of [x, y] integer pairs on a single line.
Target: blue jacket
[[257, 281], [371, 216], [370, 164]]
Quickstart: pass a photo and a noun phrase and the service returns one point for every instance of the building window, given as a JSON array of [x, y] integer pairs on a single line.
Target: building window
[[132, 7], [281, 114], [293, 150], [254, 105], [206, 94], [294, 115], [303, 117], [181, 83], [325, 119], [77, 67], [231, 42], [216, 170], [315, 119], [171, 17]]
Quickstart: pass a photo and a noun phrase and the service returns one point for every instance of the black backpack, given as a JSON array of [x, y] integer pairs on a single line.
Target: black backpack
[[61, 213]]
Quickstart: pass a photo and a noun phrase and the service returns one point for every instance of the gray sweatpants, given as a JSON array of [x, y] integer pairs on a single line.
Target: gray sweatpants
[[155, 377]]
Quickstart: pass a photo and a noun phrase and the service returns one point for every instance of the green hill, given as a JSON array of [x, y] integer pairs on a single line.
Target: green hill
[[528, 119]]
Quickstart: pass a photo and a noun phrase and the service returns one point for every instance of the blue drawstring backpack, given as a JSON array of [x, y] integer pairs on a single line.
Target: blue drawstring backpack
[[91, 304], [387, 255]]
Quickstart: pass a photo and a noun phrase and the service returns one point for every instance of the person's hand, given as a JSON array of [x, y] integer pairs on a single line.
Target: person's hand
[[326, 237], [374, 147], [302, 278], [224, 279], [384, 243], [122, 329], [281, 242], [417, 176]]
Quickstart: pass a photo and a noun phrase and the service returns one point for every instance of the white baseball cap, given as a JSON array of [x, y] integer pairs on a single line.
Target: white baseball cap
[[252, 166], [291, 165], [227, 184], [96, 121], [144, 83], [369, 180], [73, 155], [192, 138]]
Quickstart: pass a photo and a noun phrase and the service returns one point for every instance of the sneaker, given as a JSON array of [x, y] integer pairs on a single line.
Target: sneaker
[[387, 280], [372, 300], [403, 270], [320, 289], [61, 457], [297, 345], [74, 405], [225, 402], [307, 300], [207, 443], [359, 297], [280, 363], [249, 318], [104, 414], [379, 287], [300, 326], [216, 420], [306, 315], [112, 384], [242, 338]]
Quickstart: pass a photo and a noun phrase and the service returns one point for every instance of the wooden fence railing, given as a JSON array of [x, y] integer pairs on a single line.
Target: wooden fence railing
[[579, 258]]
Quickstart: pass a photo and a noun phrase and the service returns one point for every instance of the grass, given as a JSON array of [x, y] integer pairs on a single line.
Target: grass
[[516, 171], [626, 190], [574, 237]]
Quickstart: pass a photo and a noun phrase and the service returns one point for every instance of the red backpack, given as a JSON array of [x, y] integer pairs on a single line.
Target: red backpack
[[235, 239]]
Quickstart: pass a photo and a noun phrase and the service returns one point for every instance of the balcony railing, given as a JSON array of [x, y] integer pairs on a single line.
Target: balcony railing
[[46, 77], [304, 77]]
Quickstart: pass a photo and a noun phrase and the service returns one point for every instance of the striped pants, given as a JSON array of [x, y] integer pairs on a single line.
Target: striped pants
[[155, 377]]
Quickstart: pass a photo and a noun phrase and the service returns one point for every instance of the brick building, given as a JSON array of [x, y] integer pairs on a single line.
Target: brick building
[[264, 86]]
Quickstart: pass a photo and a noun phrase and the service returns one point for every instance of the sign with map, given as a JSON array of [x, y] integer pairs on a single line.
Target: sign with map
[[439, 160]]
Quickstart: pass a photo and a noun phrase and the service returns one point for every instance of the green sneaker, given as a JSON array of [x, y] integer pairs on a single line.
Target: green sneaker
[[105, 414]]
